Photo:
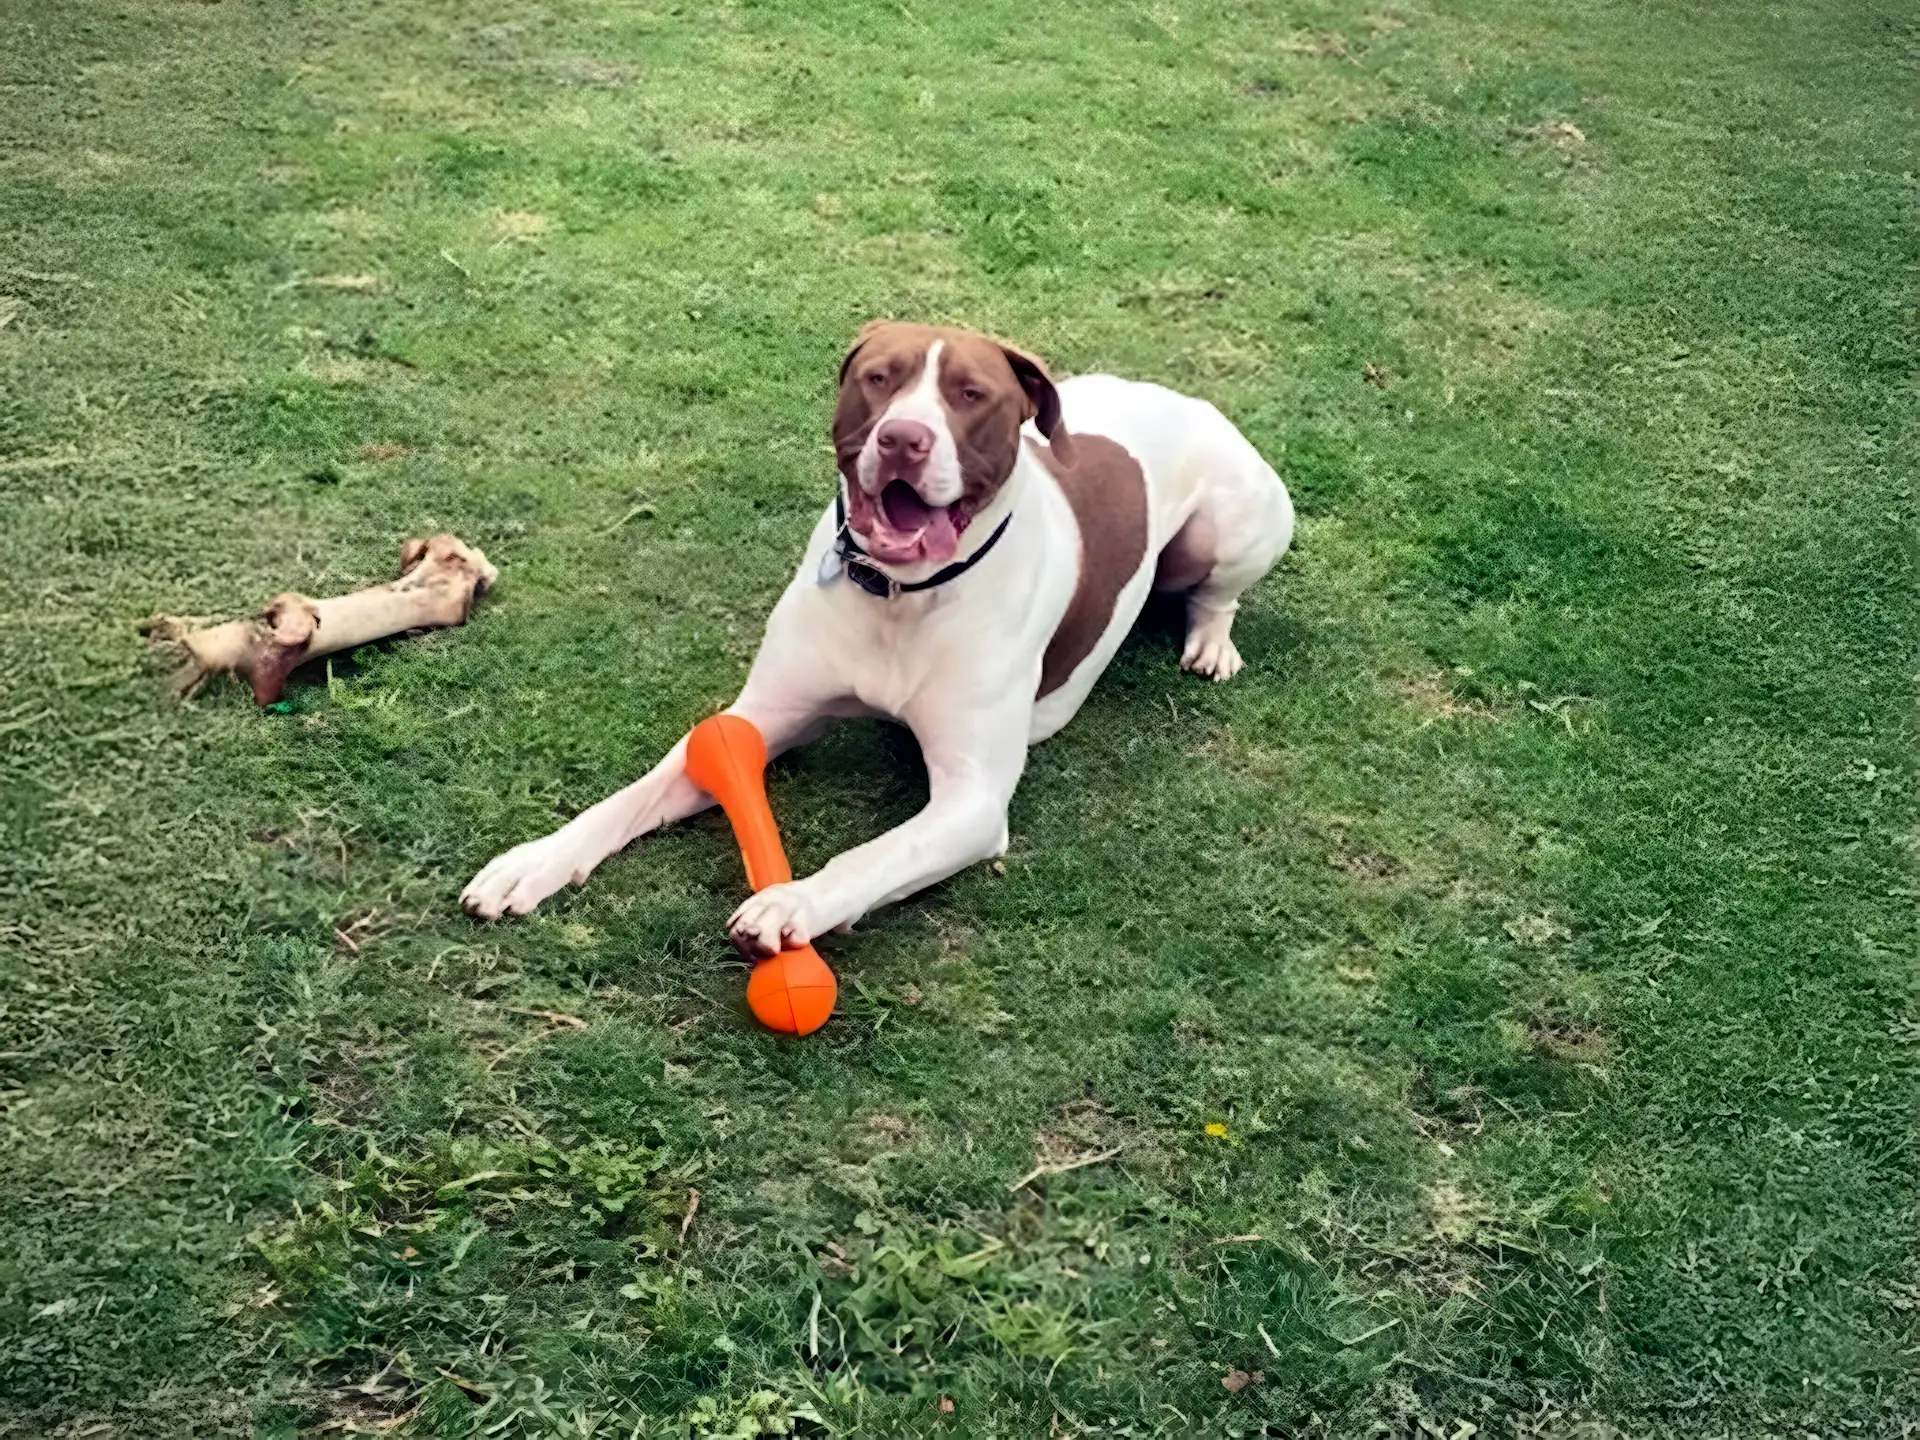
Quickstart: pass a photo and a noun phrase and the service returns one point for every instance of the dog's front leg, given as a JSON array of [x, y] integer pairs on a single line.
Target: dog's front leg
[[973, 764], [789, 694], [517, 880]]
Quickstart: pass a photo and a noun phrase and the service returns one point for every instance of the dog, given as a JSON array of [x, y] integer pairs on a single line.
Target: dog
[[992, 540]]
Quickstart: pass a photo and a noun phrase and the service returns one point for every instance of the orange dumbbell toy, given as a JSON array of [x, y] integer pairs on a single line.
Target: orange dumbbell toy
[[793, 991]]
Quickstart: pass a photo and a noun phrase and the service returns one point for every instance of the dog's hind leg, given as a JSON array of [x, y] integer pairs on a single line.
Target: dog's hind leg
[[1242, 524]]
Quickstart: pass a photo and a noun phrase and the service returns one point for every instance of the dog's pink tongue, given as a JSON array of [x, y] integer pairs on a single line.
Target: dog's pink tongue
[[908, 513], [940, 539]]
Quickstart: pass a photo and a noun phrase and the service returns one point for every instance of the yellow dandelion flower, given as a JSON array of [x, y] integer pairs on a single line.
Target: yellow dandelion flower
[[1217, 1130]]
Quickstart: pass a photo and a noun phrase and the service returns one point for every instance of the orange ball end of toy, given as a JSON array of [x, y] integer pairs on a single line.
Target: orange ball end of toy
[[792, 992]]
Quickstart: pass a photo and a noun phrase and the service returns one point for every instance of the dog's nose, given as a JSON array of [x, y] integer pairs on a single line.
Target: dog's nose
[[907, 440]]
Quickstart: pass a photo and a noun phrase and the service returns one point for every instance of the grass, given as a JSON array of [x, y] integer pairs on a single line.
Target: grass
[[1495, 1006]]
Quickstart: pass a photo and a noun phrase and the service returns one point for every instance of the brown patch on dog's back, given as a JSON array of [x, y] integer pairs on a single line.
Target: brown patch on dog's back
[[1108, 493]]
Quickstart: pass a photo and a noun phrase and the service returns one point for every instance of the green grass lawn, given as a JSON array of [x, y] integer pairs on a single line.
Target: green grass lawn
[[1490, 1005]]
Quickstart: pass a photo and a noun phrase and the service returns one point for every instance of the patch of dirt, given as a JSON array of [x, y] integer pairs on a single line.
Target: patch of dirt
[[1225, 355], [1434, 699], [351, 220], [64, 166], [1564, 1038], [914, 258], [1365, 864], [1324, 45], [1459, 1222], [892, 1129], [1085, 1127], [377, 1405], [591, 71], [1077, 1126], [343, 1096], [1561, 134], [1472, 326], [868, 1138], [1537, 932], [1195, 1028], [955, 939], [1468, 892], [518, 227], [339, 370], [422, 100], [338, 1086], [1177, 290], [1455, 1215]]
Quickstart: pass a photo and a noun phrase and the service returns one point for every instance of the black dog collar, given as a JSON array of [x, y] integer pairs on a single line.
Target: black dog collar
[[861, 570]]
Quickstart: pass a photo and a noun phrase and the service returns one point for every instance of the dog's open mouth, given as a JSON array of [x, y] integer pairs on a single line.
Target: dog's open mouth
[[900, 528]]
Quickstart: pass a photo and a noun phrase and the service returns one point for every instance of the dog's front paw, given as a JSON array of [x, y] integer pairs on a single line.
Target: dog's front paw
[[781, 917], [515, 881]]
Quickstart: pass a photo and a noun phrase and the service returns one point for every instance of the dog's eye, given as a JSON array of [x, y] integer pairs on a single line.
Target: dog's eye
[[972, 394], [877, 378]]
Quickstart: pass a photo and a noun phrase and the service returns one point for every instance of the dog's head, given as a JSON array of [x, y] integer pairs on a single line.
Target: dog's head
[[928, 430]]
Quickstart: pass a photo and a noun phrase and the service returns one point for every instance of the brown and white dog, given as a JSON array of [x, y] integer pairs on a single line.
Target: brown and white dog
[[997, 536]]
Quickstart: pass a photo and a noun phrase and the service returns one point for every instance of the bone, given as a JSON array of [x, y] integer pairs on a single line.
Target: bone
[[440, 578]]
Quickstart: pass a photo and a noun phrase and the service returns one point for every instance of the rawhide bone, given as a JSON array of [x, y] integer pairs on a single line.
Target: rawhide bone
[[440, 578]]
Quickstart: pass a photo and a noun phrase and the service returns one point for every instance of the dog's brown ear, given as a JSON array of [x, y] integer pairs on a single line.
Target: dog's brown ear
[[867, 332], [1043, 400]]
